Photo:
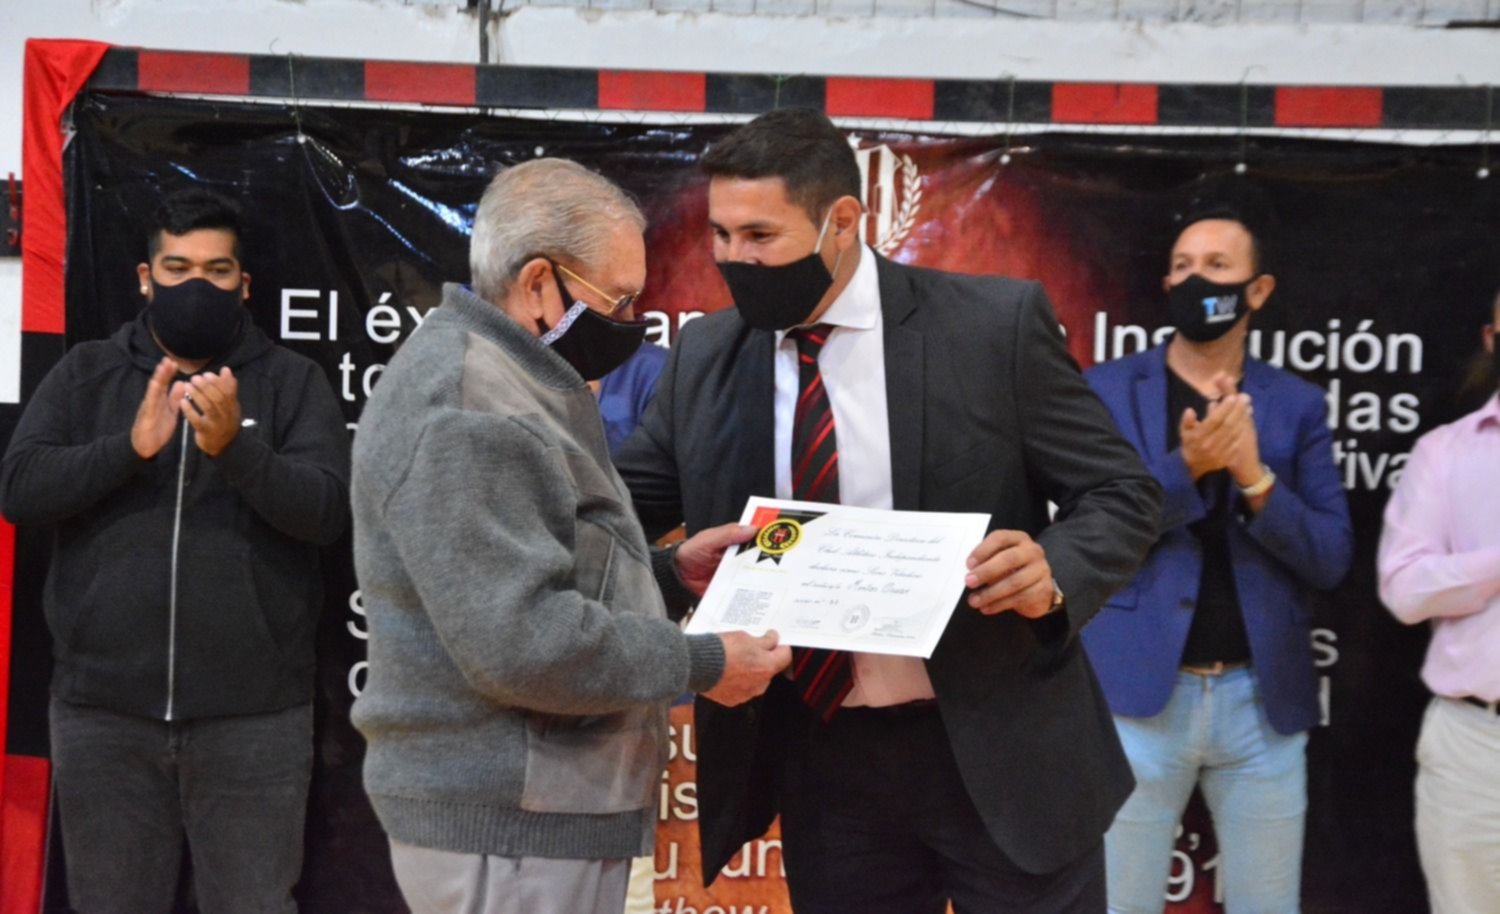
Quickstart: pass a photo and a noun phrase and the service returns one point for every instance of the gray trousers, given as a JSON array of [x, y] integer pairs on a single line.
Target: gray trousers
[[444, 882], [131, 789]]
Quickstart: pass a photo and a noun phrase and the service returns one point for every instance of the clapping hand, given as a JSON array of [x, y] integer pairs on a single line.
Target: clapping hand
[[210, 401], [156, 418]]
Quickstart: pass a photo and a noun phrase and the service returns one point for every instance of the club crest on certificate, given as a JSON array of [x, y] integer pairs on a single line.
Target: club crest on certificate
[[780, 533]]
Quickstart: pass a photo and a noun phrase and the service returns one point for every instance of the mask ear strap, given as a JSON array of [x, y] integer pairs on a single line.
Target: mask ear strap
[[569, 316], [548, 334], [828, 220], [562, 290], [818, 245]]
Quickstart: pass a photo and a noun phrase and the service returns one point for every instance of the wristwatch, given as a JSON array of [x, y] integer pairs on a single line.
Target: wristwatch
[[1260, 486], [1057, 597]]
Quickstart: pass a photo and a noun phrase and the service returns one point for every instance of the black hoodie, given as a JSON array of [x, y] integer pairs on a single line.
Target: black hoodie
[[183, 586]]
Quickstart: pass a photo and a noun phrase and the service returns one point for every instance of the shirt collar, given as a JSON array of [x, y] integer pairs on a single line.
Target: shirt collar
[[858, 306]]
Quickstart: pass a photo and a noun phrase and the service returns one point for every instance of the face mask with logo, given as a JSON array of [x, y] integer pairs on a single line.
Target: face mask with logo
[[780, 297], [593, 344], [196, 319], [1203, 311]]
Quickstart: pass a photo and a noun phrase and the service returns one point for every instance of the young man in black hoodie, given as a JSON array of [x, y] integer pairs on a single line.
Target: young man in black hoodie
[[190, 468]]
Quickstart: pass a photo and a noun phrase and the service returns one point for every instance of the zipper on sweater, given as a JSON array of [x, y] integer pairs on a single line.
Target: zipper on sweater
[[172, 591]]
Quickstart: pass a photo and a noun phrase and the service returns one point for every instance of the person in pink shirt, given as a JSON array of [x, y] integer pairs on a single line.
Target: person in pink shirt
[[1439, 561]]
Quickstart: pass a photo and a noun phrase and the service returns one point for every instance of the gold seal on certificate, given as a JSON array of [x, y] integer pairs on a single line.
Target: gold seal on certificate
[[840, 577]]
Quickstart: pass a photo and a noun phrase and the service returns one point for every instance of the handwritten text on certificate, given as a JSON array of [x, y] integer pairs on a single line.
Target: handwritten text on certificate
[[833, 576]]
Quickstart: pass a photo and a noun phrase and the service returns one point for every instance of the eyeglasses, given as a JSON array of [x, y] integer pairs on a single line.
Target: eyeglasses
[[616, 304]]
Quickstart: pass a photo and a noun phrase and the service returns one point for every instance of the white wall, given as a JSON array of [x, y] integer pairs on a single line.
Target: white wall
[[326, 28], [1046, 49], [933, 46], [10, 330]]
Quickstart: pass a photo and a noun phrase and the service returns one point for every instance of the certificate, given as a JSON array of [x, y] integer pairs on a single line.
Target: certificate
[[840, 577]]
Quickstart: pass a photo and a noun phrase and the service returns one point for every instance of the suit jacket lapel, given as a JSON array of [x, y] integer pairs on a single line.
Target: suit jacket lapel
[[905, 383], [1149, 404], [753, 399]]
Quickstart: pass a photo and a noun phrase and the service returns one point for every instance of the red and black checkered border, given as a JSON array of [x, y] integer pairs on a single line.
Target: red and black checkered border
[[948, 100]]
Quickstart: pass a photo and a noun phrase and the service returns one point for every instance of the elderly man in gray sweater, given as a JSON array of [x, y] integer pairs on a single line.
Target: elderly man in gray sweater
[[521, 649]]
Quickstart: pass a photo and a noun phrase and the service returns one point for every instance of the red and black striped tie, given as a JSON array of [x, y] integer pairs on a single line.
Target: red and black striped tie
[[823, 678]]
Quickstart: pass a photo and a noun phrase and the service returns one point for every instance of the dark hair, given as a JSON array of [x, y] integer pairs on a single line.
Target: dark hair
[[1480, 377], [1260, 261], [799, 145], [190, 209]]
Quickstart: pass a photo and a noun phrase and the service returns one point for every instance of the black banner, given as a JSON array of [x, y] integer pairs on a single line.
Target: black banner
[[1384, 256]]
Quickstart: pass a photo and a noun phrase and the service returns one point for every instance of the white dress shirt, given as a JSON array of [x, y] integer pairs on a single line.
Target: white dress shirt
[[853, 366]]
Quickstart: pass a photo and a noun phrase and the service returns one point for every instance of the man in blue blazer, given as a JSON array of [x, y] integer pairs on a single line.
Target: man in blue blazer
[[1206, 657]]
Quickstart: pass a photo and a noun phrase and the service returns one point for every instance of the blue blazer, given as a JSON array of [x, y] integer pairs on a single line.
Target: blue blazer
[[1301, 541]]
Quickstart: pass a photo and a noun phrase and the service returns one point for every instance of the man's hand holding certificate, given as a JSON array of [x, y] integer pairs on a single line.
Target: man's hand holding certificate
[[840, 577]]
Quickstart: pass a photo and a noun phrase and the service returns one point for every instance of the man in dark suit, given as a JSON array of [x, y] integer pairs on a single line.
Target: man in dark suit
[[988, 774], [1207, 657]]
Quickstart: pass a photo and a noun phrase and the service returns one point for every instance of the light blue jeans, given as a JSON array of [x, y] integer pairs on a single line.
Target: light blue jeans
[[1213, 733]]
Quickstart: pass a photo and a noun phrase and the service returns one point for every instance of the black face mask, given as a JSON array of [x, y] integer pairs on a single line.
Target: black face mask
[[593, 344], [196, 319], [779, 297], [1203, 311]]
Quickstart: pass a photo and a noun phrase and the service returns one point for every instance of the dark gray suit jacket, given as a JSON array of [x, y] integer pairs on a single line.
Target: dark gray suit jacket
[[988, 412]]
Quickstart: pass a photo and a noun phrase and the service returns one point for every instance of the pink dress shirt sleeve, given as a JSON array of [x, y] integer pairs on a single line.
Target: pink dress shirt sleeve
[[1422, 575]]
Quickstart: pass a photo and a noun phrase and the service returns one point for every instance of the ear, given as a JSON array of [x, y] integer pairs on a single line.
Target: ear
[[1166, 284], [847, 212], [143, 273], [244, 286], [1487, 337], [1260, 290], [535, 289]]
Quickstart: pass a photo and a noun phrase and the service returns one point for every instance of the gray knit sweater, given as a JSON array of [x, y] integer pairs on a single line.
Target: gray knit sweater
[[521, 658]]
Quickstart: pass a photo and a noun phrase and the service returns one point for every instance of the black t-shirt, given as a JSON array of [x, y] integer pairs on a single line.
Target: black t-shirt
[[1218, 631]]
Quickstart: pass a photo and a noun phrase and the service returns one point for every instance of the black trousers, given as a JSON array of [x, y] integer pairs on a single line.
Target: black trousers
[[875, 819], [130, 790]]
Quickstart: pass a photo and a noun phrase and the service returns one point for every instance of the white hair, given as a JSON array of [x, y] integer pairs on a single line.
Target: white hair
[[543, 208]]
